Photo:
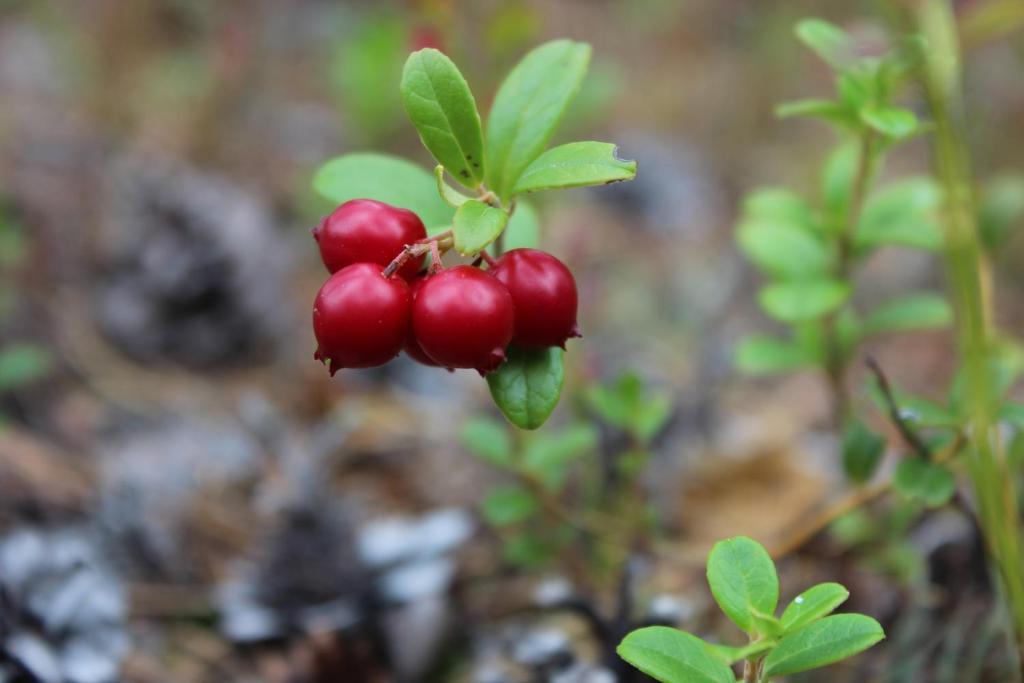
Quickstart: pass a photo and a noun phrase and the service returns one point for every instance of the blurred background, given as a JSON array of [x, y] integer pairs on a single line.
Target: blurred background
[[186, 496]]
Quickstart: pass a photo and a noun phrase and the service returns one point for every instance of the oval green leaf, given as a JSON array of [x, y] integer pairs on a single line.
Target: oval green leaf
[[793, 302], [780, 205], [924, 482], [862, 451], [894, 122], [672, 656], [823, 642], [827, 40], [743, 580], [826, 110], [439, 103], [489, 440], [763, 355], [904, 214], [507, 505], [783, 250], [548, 456], [576, 164], [527, 386], [912, 312], [529, 104], [386, 179], [813, 604], [476, 225]]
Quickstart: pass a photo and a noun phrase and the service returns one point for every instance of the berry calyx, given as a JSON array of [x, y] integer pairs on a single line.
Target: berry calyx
[[543, 291], [464, 318], [368, 231], [360, 318], [412, 346]]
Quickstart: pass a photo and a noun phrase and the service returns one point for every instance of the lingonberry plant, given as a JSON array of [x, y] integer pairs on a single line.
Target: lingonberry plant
[[811, 252], [509, 322], [593, 519], [947, 214], [745, 585]]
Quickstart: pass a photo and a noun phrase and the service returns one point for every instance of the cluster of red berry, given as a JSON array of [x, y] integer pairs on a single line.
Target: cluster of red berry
[[379, 300]]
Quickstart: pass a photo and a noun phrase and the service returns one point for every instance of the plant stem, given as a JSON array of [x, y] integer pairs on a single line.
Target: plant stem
[[968, 280], [835, 357], [909, 435]]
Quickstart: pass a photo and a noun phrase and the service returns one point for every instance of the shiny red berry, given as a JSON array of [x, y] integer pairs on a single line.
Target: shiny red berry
[[412, 346], [544, 293], [463, 318], [360, 317], [368, 231]]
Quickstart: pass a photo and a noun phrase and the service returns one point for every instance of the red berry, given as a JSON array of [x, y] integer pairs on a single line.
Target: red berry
[[368, 231], [360, 317], [412, 346], [464, 318], [544, 293]]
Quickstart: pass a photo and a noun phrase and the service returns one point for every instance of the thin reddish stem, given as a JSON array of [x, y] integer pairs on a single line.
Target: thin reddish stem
[[435, 258]]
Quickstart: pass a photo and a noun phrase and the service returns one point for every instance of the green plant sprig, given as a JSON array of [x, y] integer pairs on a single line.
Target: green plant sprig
[[745, 585], [810, 252], [498, 164]]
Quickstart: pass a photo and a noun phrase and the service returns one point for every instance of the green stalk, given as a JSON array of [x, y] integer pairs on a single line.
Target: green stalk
[[968, 275], [835, 357]]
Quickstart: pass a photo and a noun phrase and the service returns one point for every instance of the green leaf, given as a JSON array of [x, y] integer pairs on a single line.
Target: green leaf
[[793, 302], [743, 580], [508, 505], [451, 196], [762, 355], [783, 250], [386, 179], [826, 110], [1001, 209], [489, 440], [439, 103], [823, 642], [813, 604], [523, 228], [21, 364], [862, 451], [912, 312], [827, 40], [925, 482], [652, 416], [527, 386], [576, 164], [672, 656], [894, 122], [549, 455], [627, 405], [780, 205], [529, 104], [857, 88], [836, 182], [903, 214], [729, 654], [528, 550], [476, 225]]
